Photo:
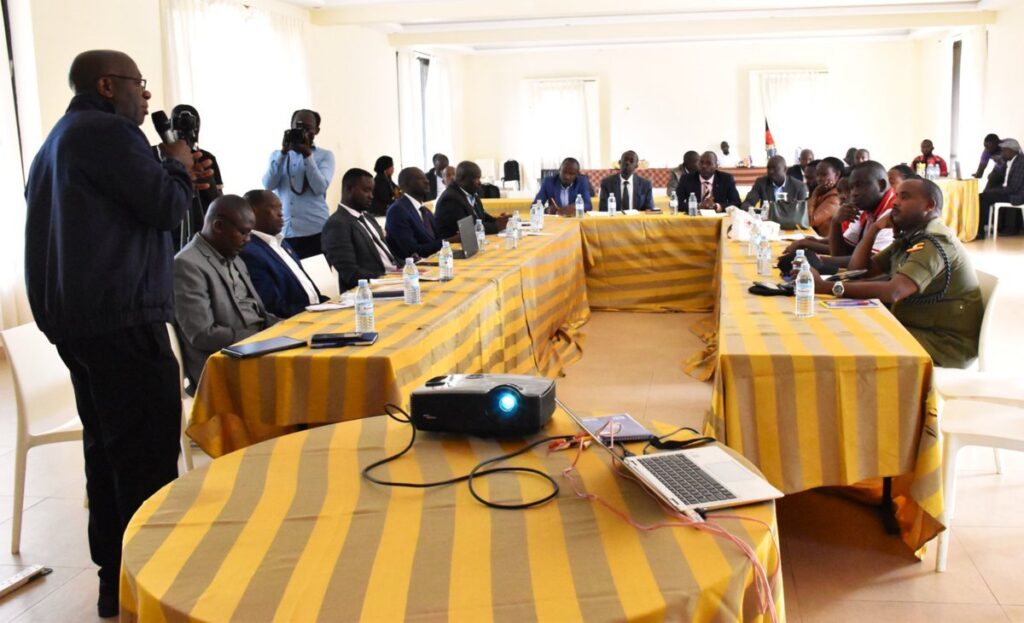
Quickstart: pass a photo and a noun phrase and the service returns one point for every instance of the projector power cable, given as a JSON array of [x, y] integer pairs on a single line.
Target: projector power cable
[[479, 470]]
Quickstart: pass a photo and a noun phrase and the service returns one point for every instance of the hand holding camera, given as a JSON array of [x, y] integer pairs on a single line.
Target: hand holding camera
[[295, 139]]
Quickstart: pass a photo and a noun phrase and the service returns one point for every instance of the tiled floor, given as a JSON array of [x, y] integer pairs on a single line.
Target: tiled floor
[[838, 564]]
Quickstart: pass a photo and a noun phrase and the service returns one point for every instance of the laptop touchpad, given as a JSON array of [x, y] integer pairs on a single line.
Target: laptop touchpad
[[728, 471]]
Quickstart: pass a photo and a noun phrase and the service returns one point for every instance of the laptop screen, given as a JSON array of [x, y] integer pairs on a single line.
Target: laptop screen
[[467, 233]]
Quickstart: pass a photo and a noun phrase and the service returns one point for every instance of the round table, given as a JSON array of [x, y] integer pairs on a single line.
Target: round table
[[287, 530]]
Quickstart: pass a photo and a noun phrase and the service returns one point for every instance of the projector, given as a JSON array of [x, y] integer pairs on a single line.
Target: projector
[[484, 405]]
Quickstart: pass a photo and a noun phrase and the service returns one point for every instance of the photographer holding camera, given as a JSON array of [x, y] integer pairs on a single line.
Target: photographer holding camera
[[185, 123], [299, 173]]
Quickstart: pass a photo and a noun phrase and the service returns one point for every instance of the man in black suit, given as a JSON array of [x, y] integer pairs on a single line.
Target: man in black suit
[[630, 191], [714, 189], [769, 187], [1006, 184], [460, 200], [437, 176], [797, 170], [410, 226], [352, 240]]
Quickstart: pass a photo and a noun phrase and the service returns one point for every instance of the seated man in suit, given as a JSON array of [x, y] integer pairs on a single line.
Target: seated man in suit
[[460, 200], [771, 186], [714, 189], [215, 302], [410, 226], [353, 241], [1006, 184], [797, 171], [558, 192], [630, 191], [689, 165], [274, 267], [438, 178]]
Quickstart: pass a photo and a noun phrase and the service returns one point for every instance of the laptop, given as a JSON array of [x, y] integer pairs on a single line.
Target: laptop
[[467, 232], [701, 478]]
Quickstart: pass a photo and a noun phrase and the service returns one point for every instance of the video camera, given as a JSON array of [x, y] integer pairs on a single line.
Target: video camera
[[185, 123]]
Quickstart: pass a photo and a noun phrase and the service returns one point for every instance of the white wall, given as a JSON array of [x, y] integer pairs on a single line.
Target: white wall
[[664, 100], [1004, 90]]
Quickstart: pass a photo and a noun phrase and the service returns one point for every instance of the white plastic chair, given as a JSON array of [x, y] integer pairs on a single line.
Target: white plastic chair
[[45, 401], [322, 275], [186, 400], [973, 423], [993, 216]]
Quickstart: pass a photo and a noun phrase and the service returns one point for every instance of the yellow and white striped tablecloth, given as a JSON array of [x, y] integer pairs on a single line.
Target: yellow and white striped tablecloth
[[651, 262], [287, 530], [960, 207], [515, 311], [836, 399], [522, 204]]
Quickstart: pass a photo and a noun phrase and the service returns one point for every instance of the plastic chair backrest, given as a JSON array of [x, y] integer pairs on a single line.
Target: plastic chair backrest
[[42, 384], [511, 170], [322, 275], [988, 283]]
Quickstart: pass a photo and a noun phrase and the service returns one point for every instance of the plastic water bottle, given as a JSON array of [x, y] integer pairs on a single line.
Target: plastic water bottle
[[673, 204], [799, 260], [538, 224], [364, 307], [411, 283], [691, 205], [581, 209], [613, 207], [754, 242], [481, 235], [764, 257], [446, 261], [512, 233], [804, 292]]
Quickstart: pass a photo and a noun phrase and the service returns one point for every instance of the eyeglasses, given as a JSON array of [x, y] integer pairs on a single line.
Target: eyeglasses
[[139, 81]]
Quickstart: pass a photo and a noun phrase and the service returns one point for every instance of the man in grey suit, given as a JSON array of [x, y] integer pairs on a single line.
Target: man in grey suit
[[630, 191], [353, 241], [215, 302], [770, 187]]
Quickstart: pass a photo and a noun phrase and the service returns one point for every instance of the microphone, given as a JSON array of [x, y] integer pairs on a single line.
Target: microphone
[[163, 127]]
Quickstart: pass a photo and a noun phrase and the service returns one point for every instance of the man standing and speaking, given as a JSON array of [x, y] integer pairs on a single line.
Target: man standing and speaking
[[98, 266]]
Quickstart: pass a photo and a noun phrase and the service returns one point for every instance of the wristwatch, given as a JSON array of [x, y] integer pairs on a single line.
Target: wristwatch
[[838, 289]]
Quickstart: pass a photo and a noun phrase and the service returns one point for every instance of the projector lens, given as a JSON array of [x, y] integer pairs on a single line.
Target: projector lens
[[507, 402]]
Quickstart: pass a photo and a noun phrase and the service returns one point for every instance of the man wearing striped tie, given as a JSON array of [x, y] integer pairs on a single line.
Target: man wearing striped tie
[[714, 189]]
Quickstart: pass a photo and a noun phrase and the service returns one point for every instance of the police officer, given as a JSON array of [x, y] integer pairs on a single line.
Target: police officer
[[931, 287]]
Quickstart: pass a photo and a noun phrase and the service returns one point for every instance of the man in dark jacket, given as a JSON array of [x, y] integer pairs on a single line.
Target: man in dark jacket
[[353, 242], [772, 186], [460, 200], [98, 258], [714, 189]]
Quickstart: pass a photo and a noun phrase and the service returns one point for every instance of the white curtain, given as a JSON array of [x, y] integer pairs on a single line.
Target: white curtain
[[410, 110], [13, 302], [973, 60], [562, 118], [437, 109], [787, 101], [244, 69]]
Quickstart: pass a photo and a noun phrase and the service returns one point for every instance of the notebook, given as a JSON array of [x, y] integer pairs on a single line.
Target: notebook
[[620, 427], [262, 347]]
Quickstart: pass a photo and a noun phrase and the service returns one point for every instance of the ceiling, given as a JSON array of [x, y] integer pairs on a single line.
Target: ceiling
[[501, 25]]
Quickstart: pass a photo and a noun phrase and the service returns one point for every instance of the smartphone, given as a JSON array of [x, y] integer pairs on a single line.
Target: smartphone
[[335, 340], [847, 275]]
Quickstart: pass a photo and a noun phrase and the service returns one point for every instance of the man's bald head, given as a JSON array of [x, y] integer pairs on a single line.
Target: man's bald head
[[229, 221], [89, 66]]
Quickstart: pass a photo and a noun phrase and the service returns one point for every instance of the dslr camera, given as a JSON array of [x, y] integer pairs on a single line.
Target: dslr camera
[[295, 136], [185, 123]]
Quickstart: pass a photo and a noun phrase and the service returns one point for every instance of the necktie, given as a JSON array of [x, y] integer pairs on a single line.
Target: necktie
[[376, 241], [625, 195], [426, 220], [705, 190]]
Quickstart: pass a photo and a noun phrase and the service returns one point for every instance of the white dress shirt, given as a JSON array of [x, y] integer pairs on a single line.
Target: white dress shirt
[[385, 255], [440, 184], [727, 161], [417, 205], [274, 242]]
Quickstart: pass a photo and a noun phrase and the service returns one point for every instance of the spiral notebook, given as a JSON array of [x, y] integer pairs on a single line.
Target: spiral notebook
[[621, 426]]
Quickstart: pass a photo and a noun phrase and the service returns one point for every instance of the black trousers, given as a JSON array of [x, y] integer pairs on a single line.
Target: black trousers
[[126, 388], [306, 246], [1009, 220]]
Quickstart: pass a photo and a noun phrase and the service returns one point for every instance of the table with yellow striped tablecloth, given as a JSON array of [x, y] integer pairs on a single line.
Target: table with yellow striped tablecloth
[[651, 262], [509, 205], [514, 311], [287, 530], [960, 206], [836, 399]]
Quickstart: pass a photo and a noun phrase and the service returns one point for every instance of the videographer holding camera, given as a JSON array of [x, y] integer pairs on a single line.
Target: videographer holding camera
[[299, 174], [185, 123]]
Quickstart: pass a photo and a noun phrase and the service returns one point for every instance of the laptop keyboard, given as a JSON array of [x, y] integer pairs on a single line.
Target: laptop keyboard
[[689, 483]]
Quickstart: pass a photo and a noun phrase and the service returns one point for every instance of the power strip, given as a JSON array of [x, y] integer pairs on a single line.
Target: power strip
[[22, 578]]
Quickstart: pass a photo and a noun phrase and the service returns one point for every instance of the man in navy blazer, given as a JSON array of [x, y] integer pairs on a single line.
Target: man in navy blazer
[[714, 189], [640, 191], [274, 267], [410, 227], [558, 192]]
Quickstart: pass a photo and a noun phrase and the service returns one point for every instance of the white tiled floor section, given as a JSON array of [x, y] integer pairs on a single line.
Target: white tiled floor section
[[838, 564]]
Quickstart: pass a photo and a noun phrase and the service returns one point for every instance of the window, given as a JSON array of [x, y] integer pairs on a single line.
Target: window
[[424, 108], [780, 98], [563, 120]]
